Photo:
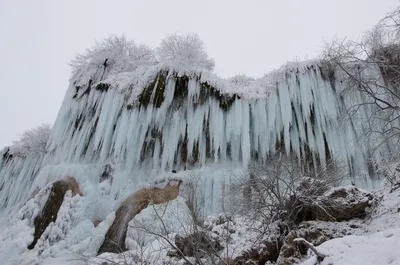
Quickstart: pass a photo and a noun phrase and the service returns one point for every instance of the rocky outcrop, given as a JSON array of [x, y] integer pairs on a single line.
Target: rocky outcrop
[[115, 238], [52, 206], [339, 204]]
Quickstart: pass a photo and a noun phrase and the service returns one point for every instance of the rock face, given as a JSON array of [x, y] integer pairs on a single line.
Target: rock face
[[53, 204], [115, 238]]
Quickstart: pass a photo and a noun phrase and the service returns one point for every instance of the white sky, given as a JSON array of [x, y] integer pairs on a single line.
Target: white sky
[[38, 38]]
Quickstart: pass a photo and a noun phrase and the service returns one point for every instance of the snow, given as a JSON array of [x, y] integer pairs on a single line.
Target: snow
[[295, 105], [162, 219], [375, 239], [73, 239], [379, 248]]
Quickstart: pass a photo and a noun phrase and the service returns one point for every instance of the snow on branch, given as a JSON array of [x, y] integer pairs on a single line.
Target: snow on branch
[[33, 140], [115, 50], [184, 50]]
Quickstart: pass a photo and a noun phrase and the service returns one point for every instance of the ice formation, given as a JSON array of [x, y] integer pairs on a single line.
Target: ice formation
[[155, 119], [129, 123]]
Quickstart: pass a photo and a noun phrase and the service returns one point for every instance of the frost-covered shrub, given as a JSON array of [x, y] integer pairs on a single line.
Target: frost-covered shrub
[[123, 54], [33, 140], [184, 50]]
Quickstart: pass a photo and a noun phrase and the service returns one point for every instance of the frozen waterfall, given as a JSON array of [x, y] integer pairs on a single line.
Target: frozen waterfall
[[154, 120]]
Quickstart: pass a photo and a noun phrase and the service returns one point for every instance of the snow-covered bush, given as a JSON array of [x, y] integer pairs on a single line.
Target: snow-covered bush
[[184, 50], [33, 140], [124, 54]]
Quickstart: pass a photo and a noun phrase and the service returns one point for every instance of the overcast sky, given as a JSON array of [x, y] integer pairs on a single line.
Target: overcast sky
[[38, 38]]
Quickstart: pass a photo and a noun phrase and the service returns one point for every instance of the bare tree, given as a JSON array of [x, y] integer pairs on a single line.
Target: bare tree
[[370, 72], [278, 188]]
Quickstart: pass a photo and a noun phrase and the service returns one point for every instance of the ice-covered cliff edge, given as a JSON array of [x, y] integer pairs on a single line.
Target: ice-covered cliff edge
[[157, 118], [143, 117]]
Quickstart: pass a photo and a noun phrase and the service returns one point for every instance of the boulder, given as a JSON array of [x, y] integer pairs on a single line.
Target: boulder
[[52, 206], [337, 204]]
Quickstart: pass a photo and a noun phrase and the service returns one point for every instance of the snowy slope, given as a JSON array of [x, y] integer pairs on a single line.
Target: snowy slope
[[379, 248], [375, 240]]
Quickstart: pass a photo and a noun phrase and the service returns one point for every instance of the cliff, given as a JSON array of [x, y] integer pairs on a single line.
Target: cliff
[[128, 124]]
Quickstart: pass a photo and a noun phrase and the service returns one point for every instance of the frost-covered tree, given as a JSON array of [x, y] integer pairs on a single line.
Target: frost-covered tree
[[115, 50], [241, 80], [186, 50], [33, 140]]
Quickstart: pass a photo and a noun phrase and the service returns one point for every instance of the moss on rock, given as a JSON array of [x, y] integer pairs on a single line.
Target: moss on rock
[[153, 93], [158, 85], [225, 100]]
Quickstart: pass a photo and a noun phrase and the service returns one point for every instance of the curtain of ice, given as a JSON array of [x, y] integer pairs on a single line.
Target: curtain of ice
[[97, 127]]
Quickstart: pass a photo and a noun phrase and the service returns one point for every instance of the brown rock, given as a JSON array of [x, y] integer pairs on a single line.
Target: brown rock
[[53, 204], [115, 238]]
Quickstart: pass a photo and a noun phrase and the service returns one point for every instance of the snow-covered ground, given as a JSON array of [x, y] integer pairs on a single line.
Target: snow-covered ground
[[379, 248], [375, 239]]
